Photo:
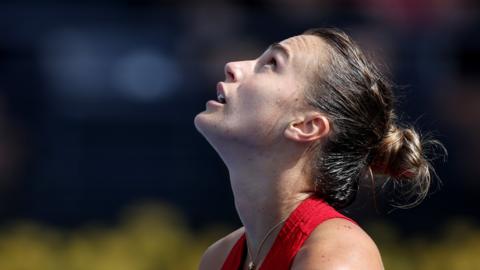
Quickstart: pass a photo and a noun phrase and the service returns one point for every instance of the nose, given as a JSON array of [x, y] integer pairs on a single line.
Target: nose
[[233, 73]]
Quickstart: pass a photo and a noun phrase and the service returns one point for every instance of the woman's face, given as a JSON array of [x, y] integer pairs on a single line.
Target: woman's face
[[262, 95]]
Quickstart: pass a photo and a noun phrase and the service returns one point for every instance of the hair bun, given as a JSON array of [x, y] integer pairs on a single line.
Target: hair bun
[[400, 155]]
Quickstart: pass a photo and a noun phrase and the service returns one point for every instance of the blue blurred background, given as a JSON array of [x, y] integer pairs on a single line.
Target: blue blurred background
[[97, 102]]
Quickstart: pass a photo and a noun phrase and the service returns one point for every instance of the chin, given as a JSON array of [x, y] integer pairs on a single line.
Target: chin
[[199, 122], [209, 129], [205, 125]]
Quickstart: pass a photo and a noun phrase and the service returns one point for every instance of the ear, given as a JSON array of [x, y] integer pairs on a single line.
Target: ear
[[308, 128]]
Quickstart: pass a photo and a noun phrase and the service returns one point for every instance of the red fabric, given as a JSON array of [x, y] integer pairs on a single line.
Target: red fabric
[[301, 222]]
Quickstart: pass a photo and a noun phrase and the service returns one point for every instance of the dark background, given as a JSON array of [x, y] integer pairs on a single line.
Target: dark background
[[97, 100]]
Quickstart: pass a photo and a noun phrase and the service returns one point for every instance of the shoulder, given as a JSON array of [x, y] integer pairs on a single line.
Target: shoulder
[[215, 255], [338, 244]]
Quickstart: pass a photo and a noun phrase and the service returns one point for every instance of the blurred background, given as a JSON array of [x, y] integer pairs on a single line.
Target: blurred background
[[102, 168]]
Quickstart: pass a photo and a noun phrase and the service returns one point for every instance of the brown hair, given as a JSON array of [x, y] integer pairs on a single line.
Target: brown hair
[[366, 137]]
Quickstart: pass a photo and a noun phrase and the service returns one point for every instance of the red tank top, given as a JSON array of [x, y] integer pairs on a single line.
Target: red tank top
[[298, 226]]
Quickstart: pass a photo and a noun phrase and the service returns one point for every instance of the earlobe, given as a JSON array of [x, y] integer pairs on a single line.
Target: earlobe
[[310, 128]]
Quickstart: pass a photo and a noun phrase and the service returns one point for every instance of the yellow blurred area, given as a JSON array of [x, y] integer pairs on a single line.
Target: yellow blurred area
[[155, 236], [148, 236], [456, 246]]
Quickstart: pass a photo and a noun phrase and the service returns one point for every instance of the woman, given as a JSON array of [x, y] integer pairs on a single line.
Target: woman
[[298, 128]]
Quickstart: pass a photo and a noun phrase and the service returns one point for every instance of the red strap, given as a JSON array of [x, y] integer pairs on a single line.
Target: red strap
[[234, 259], [299, 225]]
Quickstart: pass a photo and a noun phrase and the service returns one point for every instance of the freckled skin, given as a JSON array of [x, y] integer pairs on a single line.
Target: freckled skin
[[336, 244]]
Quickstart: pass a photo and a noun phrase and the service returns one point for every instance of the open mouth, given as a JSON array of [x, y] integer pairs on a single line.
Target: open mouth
[[221, 94], [221, 99]]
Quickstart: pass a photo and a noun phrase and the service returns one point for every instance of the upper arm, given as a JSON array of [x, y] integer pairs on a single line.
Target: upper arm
[[216, 254], [208, 260], [338, 244]]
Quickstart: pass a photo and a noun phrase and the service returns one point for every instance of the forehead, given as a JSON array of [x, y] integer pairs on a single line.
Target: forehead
[[306, 50], [302, 42]]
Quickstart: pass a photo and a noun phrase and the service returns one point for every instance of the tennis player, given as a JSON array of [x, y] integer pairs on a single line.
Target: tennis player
[[298, 128]]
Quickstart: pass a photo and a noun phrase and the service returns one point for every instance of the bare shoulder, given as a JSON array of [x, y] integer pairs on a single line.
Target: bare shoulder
[[216, 253], [338, 244]]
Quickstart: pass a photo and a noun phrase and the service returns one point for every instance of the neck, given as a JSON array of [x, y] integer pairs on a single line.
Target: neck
[[264, 196]]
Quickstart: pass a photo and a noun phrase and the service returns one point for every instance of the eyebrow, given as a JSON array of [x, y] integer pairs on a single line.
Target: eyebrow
[[281, 48]]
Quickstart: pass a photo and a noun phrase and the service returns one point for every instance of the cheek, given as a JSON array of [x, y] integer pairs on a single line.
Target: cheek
[[262, 108], [259, 100]]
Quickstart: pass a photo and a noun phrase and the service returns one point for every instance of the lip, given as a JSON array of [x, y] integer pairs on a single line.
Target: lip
[[214, 103]]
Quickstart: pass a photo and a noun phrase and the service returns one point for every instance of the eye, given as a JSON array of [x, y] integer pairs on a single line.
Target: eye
[[271, 62]]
